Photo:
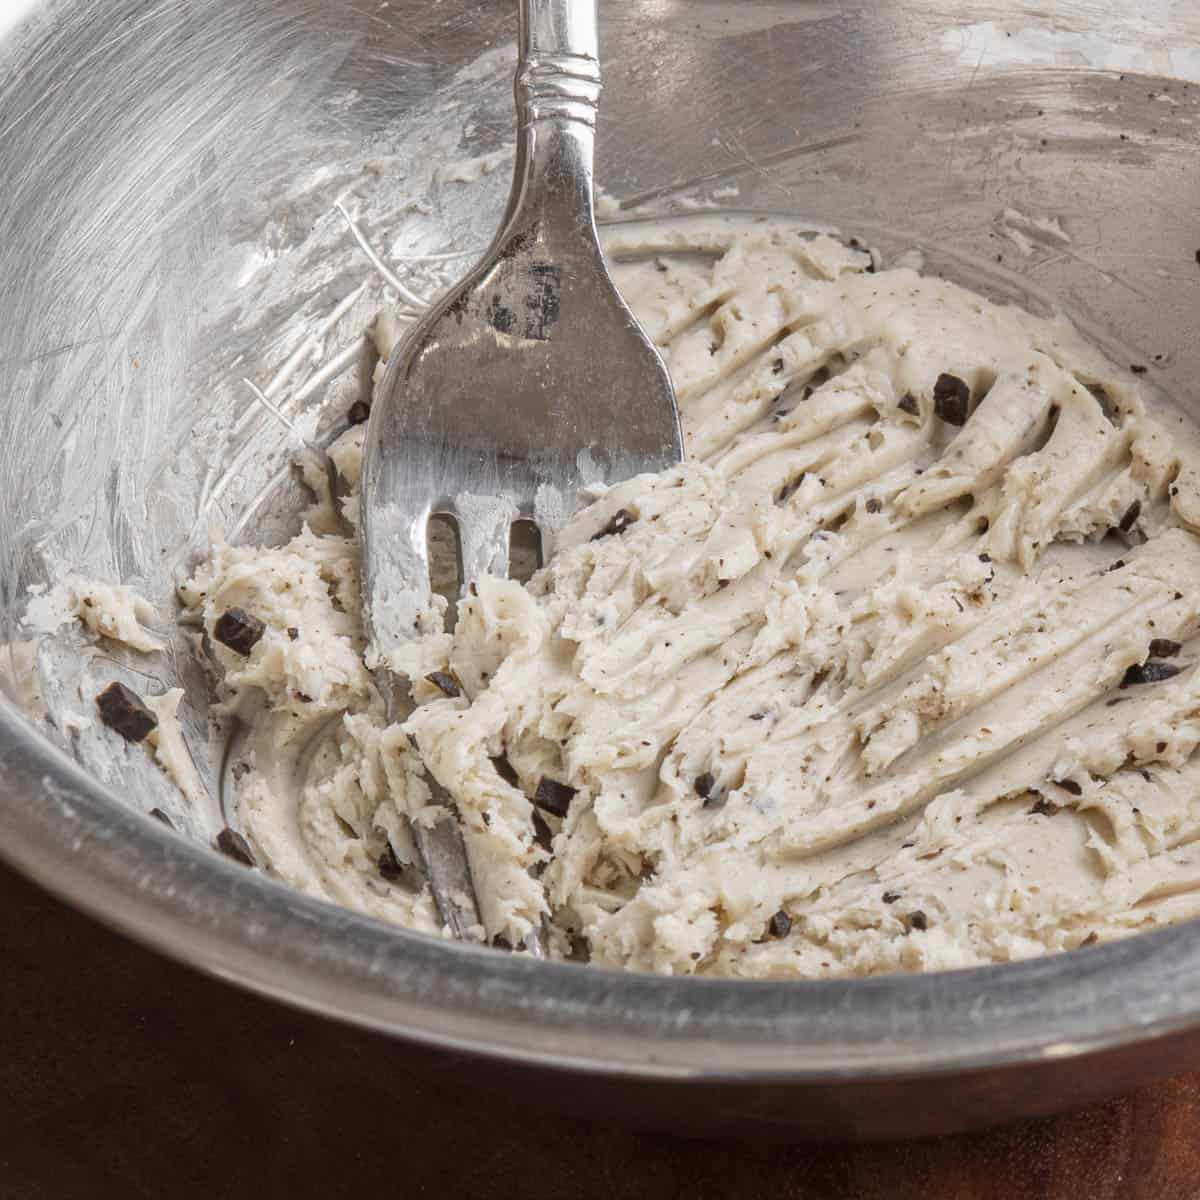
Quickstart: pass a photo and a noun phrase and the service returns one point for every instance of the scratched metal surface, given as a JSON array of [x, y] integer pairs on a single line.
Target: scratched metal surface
[[171, 237]]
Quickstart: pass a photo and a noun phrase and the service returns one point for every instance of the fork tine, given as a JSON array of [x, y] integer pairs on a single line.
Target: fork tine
[[484, 536], [401, 603], [447, 866], [485, 541]]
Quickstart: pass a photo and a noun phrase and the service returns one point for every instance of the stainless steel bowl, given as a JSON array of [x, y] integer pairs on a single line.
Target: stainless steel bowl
[[170, 170]]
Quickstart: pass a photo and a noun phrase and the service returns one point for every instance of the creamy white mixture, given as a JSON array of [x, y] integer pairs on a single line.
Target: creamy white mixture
[[858, 689]]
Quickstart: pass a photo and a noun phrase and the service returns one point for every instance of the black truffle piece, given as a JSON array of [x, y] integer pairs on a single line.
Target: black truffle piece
[[553, 796], [238, 630], [445, 682], [233, 845], [506, 771], [951, 399], [917, 920], [389, 865], [908, 403], [359, 411], [780, 925], [1151, 671], [705, 785], [1164, 648], [1129, 516], [621, 521], [123, 709], [542, 833]]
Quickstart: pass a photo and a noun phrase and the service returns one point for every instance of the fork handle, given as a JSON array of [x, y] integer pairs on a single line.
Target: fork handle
[[557, 86]]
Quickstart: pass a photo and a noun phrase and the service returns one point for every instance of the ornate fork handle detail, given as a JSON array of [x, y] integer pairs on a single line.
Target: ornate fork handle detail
[[560, 86]]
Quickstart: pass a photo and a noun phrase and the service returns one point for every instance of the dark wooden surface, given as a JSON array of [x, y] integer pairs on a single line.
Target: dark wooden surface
[[123, 1075]]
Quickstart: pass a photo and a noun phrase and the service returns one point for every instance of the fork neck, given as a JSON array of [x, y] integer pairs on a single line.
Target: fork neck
[[557, 86]]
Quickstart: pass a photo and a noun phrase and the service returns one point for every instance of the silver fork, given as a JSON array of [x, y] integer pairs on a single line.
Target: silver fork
[[528, 381]]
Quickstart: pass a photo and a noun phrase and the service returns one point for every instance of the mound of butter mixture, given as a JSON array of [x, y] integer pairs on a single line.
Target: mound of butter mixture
[[896, 673]]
